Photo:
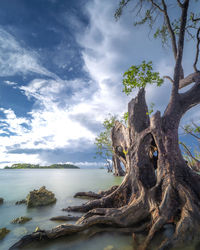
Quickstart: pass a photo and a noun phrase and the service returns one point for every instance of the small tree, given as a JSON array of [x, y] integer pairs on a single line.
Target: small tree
[[104, 147]]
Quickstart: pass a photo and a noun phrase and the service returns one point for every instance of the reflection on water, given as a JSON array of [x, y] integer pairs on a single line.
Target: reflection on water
[[15, 185]]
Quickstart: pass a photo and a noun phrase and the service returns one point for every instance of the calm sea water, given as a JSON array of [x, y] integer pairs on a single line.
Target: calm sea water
[[16, 184]]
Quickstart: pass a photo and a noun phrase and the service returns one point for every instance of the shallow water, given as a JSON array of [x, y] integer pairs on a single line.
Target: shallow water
[[15, 185]]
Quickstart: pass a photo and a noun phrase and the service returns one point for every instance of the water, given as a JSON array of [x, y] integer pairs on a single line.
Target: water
[[16, 184]]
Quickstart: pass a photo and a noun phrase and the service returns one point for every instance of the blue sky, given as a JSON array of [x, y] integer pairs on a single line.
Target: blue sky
[[61, 65]]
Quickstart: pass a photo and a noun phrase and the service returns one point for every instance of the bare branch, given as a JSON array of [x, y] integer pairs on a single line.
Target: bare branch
[[189, 152], [169, 78], [118, 12], [197, 128], [197, 50], [178, 66], [187, 131], [188, 80], [190, 98], [157, 6], [179, 3], [194, 19], [171, 32]]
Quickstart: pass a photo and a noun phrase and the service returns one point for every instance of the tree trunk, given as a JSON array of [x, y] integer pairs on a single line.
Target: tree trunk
[[118, 171], [109, 168], [159, 188]]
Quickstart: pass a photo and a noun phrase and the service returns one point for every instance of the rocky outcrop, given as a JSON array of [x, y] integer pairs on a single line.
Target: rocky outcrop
[[40, 197], [20, 202], [3, 232], [21, 220], [1, 200]]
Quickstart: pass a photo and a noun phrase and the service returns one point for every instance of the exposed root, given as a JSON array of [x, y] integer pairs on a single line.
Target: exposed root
[[65, 218], [86, 207], [87, 195], [95, 195], [139, 215], [116, 196], [65, 229]]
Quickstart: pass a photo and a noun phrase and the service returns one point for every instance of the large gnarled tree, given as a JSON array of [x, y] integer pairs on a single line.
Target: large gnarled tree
[[148, 199]]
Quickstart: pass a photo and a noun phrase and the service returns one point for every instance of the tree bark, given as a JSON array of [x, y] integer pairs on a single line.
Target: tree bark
[[159, 188], [118, 171]]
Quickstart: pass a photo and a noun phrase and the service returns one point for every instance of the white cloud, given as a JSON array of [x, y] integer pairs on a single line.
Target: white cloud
[[87, 164], [9, 159], [109, 48], [10, 83], [14, 59]]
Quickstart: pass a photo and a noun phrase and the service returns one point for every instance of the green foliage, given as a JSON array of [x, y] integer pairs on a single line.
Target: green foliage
[[103, 140], [162, 32], [147, 18], [150, 110], [194, 130], [33, 166], [139, 76], [197, 130], [146, 13], [125, 118], [118, 11], [109, 122], [187, 157]]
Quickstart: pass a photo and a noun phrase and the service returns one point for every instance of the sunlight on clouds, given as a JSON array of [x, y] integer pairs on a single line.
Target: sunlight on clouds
[[69, 111]]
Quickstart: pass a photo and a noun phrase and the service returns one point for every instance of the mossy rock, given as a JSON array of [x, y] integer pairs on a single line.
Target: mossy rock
[[3, 232], [21, 220], [40, 197], [1, 200]]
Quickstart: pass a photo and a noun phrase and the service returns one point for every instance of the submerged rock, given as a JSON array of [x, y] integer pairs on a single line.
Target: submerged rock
[[1, 200], [3, 232], [109, 247], [20, 202], [21, 220], [40, 197]]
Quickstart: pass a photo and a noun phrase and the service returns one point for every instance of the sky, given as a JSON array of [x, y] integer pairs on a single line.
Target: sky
[[61, 68]]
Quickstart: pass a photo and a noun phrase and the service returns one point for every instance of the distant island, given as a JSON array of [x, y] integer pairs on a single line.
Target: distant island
[[33, 166]]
